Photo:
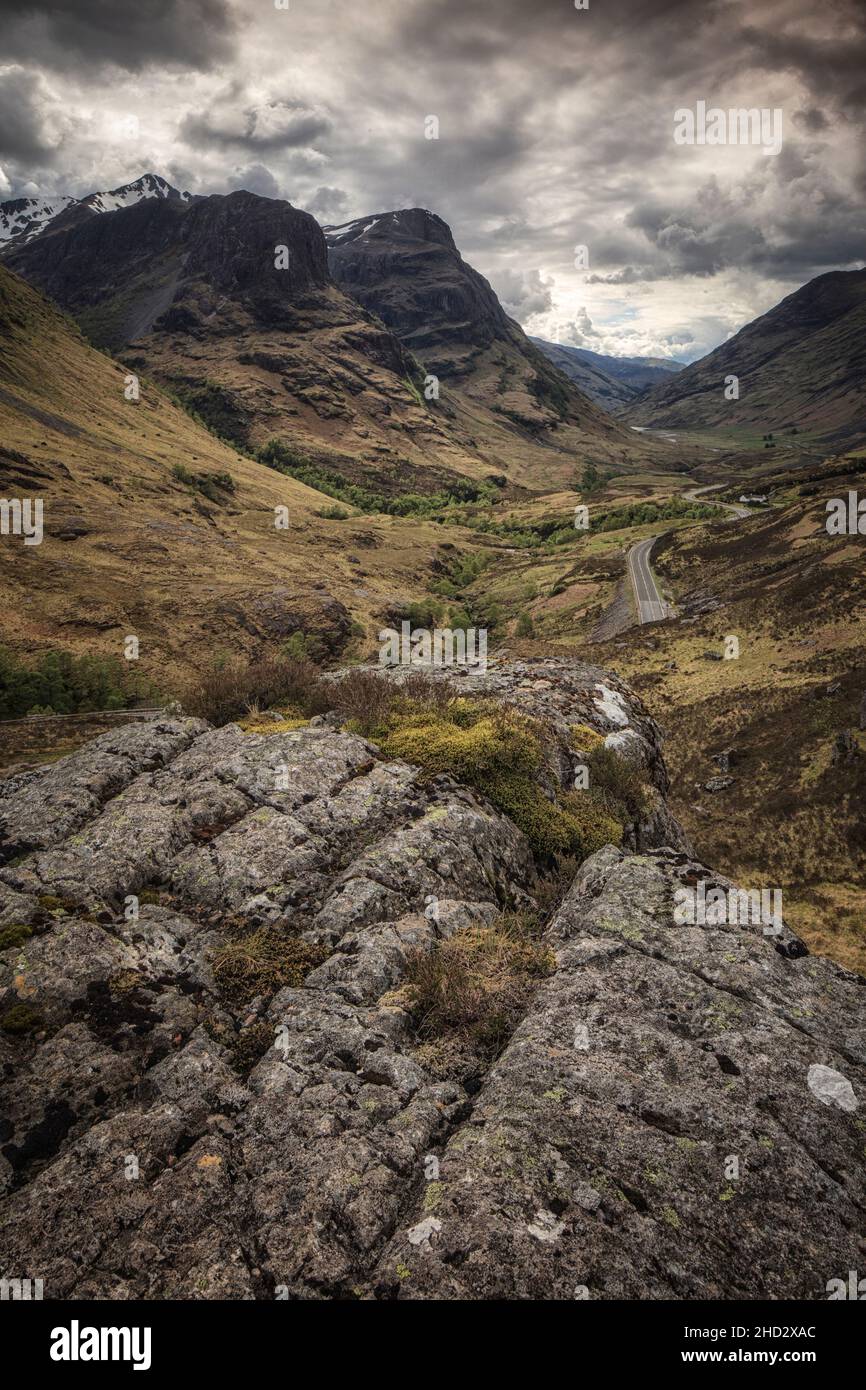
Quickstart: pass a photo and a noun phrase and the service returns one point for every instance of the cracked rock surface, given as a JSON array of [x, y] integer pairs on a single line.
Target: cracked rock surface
[[140, 1157], [652, 1129]]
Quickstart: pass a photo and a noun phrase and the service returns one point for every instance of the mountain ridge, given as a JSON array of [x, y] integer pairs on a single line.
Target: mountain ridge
[[801, 367], [191, 292], [23, 219]]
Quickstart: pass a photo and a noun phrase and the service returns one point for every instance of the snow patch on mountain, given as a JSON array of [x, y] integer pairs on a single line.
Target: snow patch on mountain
[[22, 219]]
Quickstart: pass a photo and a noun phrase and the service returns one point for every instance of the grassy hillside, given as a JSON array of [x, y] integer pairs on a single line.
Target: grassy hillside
[[801, 369], [794, 815], [156, 528]]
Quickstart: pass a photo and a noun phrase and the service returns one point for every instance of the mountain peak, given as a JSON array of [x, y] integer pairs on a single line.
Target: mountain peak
[[402, 224], [145, 186], [23, 219]]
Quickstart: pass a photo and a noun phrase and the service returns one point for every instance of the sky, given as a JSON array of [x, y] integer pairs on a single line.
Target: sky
[[557, 130]]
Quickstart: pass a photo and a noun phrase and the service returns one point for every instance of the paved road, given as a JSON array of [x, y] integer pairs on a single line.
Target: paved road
[[651, 607], [697, 494]]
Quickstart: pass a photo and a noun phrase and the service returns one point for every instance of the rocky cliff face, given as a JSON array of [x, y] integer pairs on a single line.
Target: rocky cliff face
[[405, 267], [167, 1133]]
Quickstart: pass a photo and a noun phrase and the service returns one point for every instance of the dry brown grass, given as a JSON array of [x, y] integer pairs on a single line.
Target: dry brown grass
[[238, 688], [468, 993]]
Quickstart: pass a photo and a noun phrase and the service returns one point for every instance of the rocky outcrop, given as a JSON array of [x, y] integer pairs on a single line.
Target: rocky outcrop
[[572, 699], [677, 1118], [164, 1134]]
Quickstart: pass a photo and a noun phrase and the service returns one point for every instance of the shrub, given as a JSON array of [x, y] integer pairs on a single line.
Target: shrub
[[617, 781], [59, 683], [15, 935], [214, 486], [215, 408], [366, 700], [470, 991], [262, 963], [304, 646], [21, 1019], [334, 513], [525, 626], [229, 691]]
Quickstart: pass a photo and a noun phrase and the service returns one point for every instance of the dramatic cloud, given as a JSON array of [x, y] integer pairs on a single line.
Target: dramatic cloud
[[523, 293], [580, 332], [533, 129], [32, 124], [96, 33], [329, 206], [271, 124]]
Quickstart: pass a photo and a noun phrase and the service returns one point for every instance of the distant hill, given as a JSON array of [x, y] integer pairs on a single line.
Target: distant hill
[[612, 382], [801, 366]]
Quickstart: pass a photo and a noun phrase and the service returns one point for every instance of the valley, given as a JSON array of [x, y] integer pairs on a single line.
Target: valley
[[288, 479]]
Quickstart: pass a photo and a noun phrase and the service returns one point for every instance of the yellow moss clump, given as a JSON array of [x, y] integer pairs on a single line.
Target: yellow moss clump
[[500, 753], [584, 738], [595, 826], [290, 718]]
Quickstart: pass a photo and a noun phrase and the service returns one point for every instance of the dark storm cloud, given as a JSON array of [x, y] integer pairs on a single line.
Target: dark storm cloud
[[329, 206], [30, 130], [255, 178], [273, 124], [828, 66], [93, 33]]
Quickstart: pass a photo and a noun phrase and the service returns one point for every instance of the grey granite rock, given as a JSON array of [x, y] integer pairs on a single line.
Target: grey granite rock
[[158, 1140]]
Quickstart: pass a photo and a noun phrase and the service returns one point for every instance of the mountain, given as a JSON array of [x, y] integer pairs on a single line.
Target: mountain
[[24, 219], [637, 372], [192, 293], [801, 367], [155, 527], [404, 267], [612, 382]]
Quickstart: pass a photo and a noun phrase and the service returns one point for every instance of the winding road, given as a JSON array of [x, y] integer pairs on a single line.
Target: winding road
[[651, 607]]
